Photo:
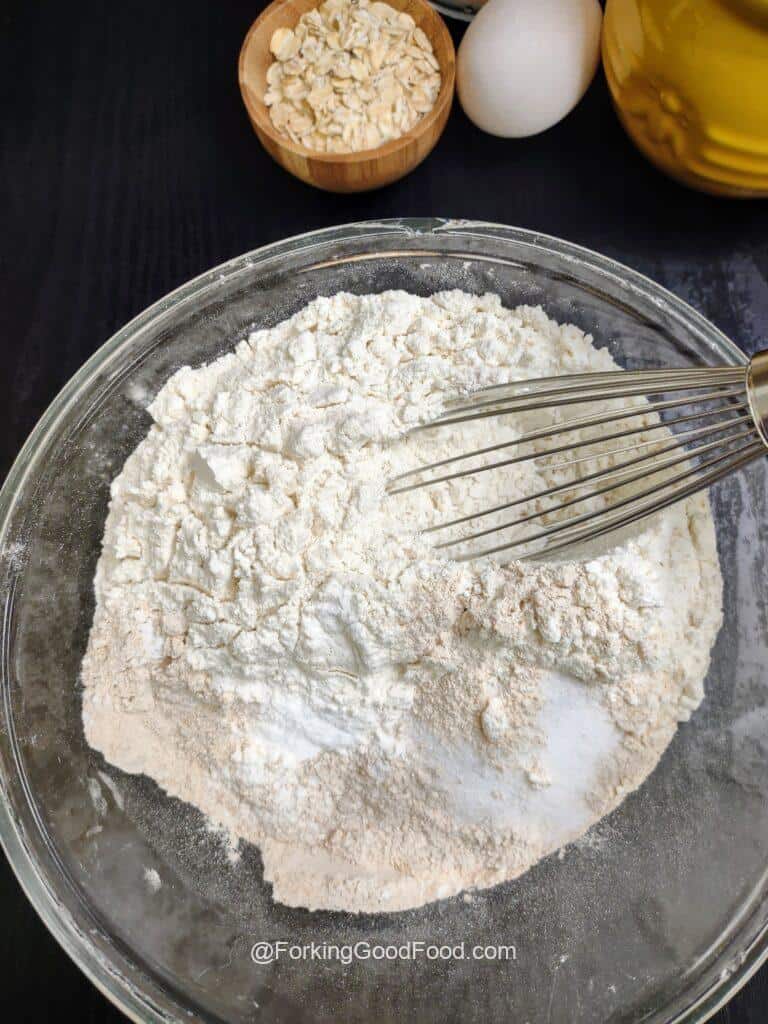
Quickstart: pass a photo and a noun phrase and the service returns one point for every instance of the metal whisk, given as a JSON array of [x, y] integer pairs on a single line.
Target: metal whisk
[[718, 419]]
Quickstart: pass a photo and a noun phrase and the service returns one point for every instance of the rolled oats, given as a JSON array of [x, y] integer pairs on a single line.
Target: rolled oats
[[350, 76]]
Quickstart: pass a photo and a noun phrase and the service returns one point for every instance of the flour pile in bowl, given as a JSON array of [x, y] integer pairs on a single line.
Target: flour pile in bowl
[[275, 643]]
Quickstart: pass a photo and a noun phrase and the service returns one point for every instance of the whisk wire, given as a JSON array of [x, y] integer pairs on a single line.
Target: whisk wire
[[619, 471], [723, 410], [580, 423], [647, 509], [645, 503], [624, 481], [536, 385], [586, 393]]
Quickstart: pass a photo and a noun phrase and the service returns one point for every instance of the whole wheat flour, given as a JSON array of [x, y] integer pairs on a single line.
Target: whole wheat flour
[[276, 643]]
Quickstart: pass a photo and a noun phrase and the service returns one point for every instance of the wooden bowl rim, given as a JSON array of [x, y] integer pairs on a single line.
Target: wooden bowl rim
[[259, 115]]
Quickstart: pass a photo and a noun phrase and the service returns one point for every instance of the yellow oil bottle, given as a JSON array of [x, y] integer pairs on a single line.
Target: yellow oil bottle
[[689, 79]]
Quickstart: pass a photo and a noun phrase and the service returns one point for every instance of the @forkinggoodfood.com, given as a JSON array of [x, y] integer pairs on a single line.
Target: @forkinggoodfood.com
[[347, 953]]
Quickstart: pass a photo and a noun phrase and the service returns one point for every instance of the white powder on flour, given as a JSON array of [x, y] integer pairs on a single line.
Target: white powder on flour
[[275, 643]]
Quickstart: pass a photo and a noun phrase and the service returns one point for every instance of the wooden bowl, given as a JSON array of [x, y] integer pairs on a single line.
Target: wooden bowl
[[344, 172]]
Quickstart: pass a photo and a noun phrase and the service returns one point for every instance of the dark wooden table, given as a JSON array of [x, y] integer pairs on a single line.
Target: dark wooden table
[[127, 165]]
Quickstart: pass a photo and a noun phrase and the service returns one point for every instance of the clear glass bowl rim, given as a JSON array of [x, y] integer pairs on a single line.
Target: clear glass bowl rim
[[112, 977]]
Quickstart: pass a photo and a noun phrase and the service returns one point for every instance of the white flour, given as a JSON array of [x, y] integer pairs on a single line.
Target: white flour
[[274, 643]]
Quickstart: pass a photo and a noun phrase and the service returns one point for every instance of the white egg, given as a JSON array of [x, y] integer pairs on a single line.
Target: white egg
[[524, 64]]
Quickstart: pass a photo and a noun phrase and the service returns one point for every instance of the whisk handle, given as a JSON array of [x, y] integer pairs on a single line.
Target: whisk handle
[[757, 392]]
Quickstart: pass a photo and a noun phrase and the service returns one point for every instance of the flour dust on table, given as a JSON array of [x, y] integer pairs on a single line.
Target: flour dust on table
[[275, 641]]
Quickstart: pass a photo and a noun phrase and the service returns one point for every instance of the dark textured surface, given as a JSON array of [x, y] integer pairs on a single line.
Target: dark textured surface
[[127, 166]]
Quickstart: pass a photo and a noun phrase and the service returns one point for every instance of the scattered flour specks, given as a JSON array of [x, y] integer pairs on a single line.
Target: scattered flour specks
[[113, 788], [97, 797], [153, 880]]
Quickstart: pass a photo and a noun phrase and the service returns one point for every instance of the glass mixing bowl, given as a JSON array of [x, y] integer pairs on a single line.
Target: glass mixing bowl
[[658, 915]]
